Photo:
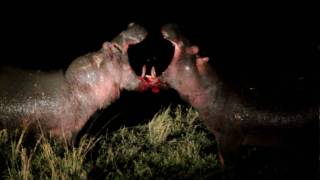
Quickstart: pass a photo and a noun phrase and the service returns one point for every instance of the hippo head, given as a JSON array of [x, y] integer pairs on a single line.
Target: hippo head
[[188, 72], [101, 75], [133, 35]]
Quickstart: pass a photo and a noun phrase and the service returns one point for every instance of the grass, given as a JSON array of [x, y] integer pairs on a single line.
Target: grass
[[173, 145]]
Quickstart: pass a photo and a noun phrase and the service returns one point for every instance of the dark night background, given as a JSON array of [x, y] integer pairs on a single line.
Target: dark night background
[[271, 47], [275, 50]]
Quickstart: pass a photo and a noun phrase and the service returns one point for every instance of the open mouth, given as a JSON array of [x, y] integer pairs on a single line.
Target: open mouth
[[153, 54]]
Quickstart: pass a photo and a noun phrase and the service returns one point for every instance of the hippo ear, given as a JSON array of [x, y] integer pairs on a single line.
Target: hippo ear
[[96, 60], [107, 46], [203, 59], [132, 35], [193, 50]]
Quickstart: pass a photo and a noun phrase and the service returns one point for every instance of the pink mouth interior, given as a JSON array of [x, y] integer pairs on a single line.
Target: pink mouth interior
[[150, 82], [154, 84]]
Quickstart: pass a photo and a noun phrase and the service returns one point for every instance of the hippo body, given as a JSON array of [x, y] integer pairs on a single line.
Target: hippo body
[[30, 96], [60, 103]]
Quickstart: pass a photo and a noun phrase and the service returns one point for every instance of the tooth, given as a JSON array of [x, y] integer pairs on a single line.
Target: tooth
[[144, 69], [153, 72]]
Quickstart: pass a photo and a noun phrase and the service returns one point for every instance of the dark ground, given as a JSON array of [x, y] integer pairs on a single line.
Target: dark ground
[[275, 51]]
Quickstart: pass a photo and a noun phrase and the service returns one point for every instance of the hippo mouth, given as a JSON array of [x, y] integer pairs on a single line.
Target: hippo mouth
[[151, 57]]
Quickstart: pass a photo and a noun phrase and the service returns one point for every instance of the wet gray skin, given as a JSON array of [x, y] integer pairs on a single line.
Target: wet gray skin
[[62, 102], [227, 115]]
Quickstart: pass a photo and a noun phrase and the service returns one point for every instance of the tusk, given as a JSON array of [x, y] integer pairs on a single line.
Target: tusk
[[153, 72], [144, 69]]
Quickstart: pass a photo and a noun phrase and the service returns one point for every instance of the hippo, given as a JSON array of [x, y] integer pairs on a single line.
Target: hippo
[[232, 119], [60, 103]]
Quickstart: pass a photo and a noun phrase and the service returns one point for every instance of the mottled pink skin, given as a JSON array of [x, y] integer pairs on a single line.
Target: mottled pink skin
[[227, 115], [62, 102]]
